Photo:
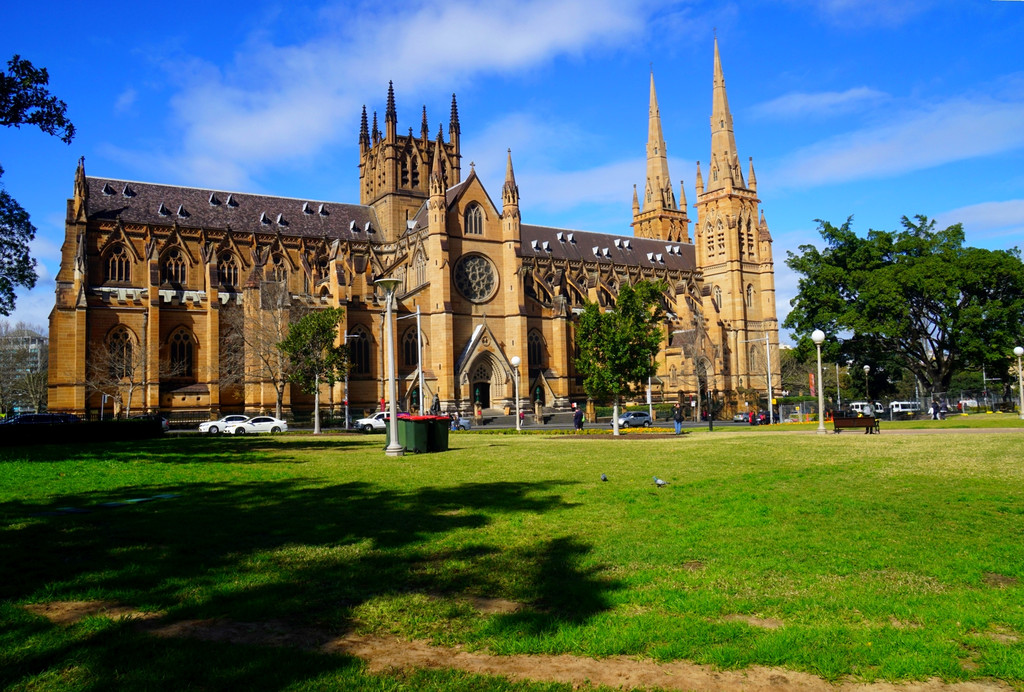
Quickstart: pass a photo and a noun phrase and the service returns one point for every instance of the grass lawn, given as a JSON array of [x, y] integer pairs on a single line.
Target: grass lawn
[[897, 557]]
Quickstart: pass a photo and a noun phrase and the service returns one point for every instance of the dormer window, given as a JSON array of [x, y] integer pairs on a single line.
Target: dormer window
[[128, 191], [306, 209], [322, 210], [107, 190], [214, 201]]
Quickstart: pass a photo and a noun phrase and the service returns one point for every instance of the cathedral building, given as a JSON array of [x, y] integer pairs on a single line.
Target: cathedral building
[[172, 298]]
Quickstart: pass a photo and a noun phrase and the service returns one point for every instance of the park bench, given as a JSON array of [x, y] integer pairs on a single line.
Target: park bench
[[869, 423]]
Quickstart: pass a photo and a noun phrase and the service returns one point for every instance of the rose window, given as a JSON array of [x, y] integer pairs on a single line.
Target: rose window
[[476, 278]]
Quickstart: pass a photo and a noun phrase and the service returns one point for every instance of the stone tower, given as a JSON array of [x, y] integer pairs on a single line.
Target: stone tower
[[394, 170], [734, 251], [659, 217]]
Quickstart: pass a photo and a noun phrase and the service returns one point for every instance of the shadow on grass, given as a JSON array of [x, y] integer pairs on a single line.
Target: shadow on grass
[[295, 551]]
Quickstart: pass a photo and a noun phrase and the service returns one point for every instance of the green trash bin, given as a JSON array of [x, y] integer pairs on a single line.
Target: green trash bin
[[439, 426], [417, 433], [403, 432]]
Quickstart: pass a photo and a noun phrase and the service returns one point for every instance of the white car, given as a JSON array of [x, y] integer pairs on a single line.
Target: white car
[[259, 424], [217, 426], [375, 423]]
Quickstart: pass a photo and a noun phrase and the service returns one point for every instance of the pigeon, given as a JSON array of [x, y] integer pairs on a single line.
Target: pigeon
[[660, 483], [604, 477]]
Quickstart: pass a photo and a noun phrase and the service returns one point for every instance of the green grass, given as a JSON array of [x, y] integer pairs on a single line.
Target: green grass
[[882, 557]]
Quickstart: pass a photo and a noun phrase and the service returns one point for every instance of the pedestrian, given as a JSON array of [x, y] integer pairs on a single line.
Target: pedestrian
[[577, 420], [934, 410], [677, 417]]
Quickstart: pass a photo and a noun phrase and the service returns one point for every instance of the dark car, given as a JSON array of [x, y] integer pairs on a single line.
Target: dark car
[[165, 424]]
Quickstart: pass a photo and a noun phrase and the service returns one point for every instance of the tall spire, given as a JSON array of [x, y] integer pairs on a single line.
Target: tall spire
[[636, 203], [437, 185], [454, 130], [364, 133], [723, 168], [391, 115], [751, 178], [376, 130], [510, 191], [658, 191], [424, 127]]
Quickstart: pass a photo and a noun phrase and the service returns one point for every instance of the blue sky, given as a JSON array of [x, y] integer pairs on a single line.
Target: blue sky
[[870, 108]]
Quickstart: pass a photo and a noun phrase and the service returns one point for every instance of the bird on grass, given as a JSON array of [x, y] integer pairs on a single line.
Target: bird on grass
[[604, 477], [660, 483]]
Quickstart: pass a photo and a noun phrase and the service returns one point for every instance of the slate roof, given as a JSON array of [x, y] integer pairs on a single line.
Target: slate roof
[[585, 246], [162, 205]]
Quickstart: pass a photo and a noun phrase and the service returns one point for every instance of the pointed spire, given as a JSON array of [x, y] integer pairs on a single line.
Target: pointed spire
[[81, 198], [424, 127], [700, 181], [454, 130], [376, 131], [364, 132], [723, 140], [682, 196], [751, 178], [510, 191], [437, 185], [390, 115], [636, 202], [659, 184]]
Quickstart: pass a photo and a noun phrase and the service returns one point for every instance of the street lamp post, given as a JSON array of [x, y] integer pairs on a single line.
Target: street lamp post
[[867, 395], [818, 337], [394, 449], [516, 360], [1019, 351]]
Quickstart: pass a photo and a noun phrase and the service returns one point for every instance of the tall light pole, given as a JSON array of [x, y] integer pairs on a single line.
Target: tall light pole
[[394, 449], [1019, 351], [867, 395], [818, 337], [516, 360]]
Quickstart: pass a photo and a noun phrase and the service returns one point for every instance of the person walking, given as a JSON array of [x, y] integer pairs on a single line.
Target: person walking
[[577, 420], [677, 417]]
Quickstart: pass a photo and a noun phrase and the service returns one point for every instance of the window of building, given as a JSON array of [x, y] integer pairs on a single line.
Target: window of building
[[119, 267], [121, 350], [750, 295], [535, 349], [421, 269], [474, 220], [411, 348], [180, 352], [174, 267], [717, 291], [277, 270], [358, 341], [227, 271]]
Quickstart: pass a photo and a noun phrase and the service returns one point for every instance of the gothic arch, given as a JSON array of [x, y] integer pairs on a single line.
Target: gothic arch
[[117, 262], [473, 219]]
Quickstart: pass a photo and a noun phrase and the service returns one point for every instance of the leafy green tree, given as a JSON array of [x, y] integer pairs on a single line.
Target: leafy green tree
[[617, 346], [913, 299], [315, 357], [24, 100]]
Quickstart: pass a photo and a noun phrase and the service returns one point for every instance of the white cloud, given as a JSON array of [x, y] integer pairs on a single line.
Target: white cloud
[[278, 103], [125, 100], [952, 131], [988, 223], [864, 13], [799, 104]]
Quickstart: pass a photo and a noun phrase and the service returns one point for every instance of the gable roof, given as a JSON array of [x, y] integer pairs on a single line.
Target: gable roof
[[149, 203], [605, 248]]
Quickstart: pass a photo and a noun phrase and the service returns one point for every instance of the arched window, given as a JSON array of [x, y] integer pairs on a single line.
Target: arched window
[[750, 295], [121, 350], [410, 348], [474, 220], [277, 270], [227, 271], [752, 361], [535, 349], [119, 264], [718, 296], [180, 347], [421, 269], [174, 268], [358, 341]]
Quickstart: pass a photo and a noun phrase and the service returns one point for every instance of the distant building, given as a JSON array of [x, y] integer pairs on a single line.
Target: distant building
[[31, 343], [151, 270]]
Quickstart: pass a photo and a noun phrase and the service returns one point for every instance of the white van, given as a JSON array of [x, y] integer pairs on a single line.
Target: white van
[[905, 408], [866, 408]]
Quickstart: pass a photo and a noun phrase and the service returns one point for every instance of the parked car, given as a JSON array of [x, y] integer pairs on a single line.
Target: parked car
[[741, 418], [635, 419], [461, 423], [217, 426], [375, 423], [165, 424], [259, 424]]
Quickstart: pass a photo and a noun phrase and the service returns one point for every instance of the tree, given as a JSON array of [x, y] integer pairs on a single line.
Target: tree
[[117, 369], [251, 335], [617, 346], [315, 357], [913, 299], [24, 100]]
